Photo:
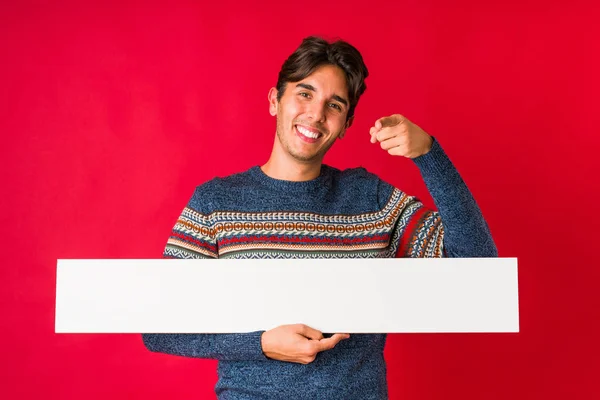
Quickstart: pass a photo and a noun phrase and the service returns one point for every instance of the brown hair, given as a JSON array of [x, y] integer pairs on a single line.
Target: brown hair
[[314, 52]]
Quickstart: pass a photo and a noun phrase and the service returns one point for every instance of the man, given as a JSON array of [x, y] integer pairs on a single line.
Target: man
[[294, 206]]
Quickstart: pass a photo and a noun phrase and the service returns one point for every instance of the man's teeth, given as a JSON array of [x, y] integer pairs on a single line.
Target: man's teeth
[[307, 133]]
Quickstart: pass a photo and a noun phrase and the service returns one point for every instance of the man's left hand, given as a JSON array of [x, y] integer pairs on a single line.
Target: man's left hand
[[400, 137]]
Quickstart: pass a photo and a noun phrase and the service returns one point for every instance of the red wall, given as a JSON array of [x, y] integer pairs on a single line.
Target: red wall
[[111, 114]]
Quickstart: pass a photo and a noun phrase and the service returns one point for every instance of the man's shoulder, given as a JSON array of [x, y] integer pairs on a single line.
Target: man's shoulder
[[360, 172], [219, 190], [219, 183], [358, 175], [361, 185], [358, 186]]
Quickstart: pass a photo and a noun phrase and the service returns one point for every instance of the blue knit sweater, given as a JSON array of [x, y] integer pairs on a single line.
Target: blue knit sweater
[[349, 213]]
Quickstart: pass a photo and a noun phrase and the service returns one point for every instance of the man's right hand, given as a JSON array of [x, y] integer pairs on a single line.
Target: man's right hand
[[297, 343]]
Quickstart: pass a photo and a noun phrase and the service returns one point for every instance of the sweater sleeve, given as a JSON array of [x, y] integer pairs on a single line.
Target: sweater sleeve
[[464, 230], [193, 237]]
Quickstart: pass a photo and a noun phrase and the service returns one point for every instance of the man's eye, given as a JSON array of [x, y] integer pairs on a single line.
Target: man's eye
[[304, 94], [336, 106]]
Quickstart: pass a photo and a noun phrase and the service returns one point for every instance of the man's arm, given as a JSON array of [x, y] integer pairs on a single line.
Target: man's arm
[[464, 231], [193, 237], [230, 346]]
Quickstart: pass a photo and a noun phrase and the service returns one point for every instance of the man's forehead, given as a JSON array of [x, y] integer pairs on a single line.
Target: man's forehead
[[327, 73], [317, 84]]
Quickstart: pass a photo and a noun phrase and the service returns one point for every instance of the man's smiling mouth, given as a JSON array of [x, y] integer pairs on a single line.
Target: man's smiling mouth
[[309, 133]]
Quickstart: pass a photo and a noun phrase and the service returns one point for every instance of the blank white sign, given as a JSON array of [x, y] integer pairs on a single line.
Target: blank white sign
[[338, 295]]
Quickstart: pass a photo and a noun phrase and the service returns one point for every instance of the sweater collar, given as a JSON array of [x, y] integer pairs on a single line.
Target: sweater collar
[[320, 182]]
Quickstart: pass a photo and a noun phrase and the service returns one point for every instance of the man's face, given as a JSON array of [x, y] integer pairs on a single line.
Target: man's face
[[311, 114]]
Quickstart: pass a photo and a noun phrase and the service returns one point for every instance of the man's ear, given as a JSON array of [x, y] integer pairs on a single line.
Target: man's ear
[[348, 125], [273, 103]]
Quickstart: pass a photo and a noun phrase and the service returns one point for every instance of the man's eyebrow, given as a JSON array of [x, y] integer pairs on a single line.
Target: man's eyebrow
[[312, 88], [307, 86], [340, 99]]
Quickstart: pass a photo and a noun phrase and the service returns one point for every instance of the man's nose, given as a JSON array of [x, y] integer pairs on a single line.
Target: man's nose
[[316, 112]]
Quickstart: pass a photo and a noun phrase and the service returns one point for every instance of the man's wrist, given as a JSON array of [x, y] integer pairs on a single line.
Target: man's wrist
[[262, 344], [427, 147]]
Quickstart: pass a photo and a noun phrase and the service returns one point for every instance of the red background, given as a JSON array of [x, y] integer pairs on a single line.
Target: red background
[[112, 114]]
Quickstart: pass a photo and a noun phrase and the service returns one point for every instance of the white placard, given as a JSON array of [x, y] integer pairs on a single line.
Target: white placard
[[331, 295]]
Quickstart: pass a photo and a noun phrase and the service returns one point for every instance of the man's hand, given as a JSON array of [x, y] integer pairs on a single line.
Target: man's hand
[[400, 137], [297, 343]]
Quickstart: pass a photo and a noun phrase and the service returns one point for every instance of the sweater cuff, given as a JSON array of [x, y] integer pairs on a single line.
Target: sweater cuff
[[248, 346], [434, 162]]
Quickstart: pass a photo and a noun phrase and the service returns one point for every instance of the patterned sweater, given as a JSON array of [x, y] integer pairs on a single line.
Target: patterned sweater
[[340, 214]]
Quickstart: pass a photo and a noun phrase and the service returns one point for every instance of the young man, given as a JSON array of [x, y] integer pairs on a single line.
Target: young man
[[294, 206]]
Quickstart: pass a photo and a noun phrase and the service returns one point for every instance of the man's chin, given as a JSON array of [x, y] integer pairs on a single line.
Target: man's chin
[[307, 158]]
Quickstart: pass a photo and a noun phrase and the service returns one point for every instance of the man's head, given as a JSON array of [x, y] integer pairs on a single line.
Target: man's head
[[314, 52], [317, 91]]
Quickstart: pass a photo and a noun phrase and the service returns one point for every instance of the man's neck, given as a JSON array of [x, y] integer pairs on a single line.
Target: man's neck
[[291, 170]]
